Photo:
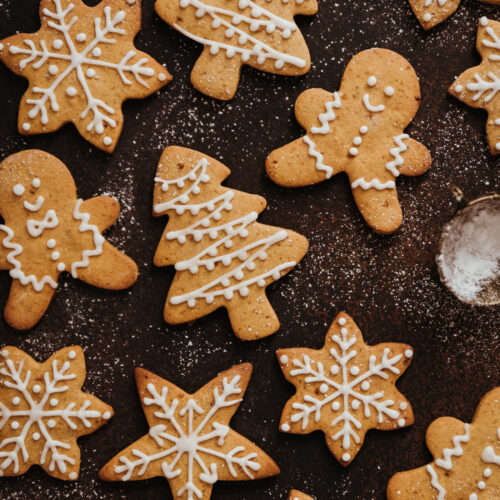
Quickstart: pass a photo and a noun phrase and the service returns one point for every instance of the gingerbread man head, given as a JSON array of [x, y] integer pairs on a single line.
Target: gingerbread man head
[[359, 130]]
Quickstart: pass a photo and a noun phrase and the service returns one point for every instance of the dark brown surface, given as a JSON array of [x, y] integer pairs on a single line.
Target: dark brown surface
[[389, 285]]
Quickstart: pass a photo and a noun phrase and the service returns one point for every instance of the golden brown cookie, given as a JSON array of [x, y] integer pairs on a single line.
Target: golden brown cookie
[[298, 495], [190, 442], [359, 131], [47, 230], [479, 86], [222, 255], [259, 33], [466, 462], [345, 388], [43, 411], [82, 65]]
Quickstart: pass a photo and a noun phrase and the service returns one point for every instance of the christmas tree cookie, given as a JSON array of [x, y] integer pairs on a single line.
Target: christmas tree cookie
[[47, 230], [345, 388], [190, 442], [360, 131], [259, 33], [222, 255], [82, 65], [466, 459], [43, 411]]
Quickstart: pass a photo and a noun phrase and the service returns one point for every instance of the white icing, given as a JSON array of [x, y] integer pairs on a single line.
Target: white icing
[[393, 165], [328, 116], [489, 456], [369, 107], [374, 183], [34, 207], [491, 85], [456, 451], [320, 165], [36, 228], [494, 43], [18, 189], [435, 483], [199, 446], [372, 81]]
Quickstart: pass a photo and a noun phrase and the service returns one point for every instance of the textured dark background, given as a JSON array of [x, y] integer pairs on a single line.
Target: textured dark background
[[388, 284]]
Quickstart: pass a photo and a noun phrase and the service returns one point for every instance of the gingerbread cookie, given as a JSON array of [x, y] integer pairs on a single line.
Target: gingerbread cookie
[[190, 442], [48, 230], [432, 12], [359, 131], [298, 495], [82, 65], [345, 388], [43, 411], [222, 255], [260, 33], [479, 86], [466, 459]]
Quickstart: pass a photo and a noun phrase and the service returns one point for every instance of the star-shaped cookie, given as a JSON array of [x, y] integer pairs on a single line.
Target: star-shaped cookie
[[82, 65], [43, 411], [479, 86], [345, 388], [47, 230], [298, 495], [466, 461], [190, 442]]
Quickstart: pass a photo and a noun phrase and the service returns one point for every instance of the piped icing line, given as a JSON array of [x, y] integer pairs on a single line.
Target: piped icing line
[[17, 272], [456, 451], [369, 107], [328, 116], [34, 207], [374, 183], [495, 40], [393, 165], [36, 228], [435, 483], [97, 236], [489, 456], [480, 86], [320, 165]]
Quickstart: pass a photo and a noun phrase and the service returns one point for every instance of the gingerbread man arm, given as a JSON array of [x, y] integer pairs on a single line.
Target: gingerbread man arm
[[25, 306], [111, 270], [416, 158], [103, 210]]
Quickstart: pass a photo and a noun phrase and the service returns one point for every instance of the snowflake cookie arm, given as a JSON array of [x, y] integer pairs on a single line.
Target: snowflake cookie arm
[[432, 12], [298, 495]]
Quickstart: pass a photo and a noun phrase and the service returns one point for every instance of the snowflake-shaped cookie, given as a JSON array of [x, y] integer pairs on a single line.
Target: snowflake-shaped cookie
[[466, 462], [345, 388], [190, 442], [298, 495], [82, 65], [479, 86], [43, 411]]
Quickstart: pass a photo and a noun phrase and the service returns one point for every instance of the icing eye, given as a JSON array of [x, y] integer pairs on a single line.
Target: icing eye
[[371, 82], [389, 91]]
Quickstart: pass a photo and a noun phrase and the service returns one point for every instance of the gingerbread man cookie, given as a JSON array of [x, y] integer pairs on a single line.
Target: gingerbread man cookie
[[222, 255], [298, 495], [345, 388], [47, 230], [466, 459], [190, 442], [43, 411], [82, 65], [260, 33], [359, 131], [479, 87]]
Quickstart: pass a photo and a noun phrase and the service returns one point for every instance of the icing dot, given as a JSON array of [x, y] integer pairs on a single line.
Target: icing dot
[[354, 370], [284, 359], [343, 331], [459, 88], [36, 388], [355, 404], [51, 423], [363, 129], [16, 400], [483, 21], [497, 121], [36, 183], [55, 255], [353, 151], [53, 69], [365, 385], [427, 17], [191, 303], [408, 353], [90, 72], [473, 496], [371, 81], [334, 369], [346, 457], [81, 37], [14, 425], [107, 141], [357, 141], [162, 77], [97, 52], [106, 415], [285, 428], [57, 44], [51, 243], [26, 126], [389, 91], [323, 388], [71, 91], [73, 475], [54, 402], [497, 146], [36, 436], [336, 406], [401, 422], [61, 267], [4, 353], [72, 355], [18, 190], [342, 321], [403, 406], [487, 472], [481, 485]]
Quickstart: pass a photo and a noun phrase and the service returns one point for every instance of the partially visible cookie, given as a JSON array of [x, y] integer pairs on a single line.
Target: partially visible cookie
[[298, 495], [222, 255], [190, 442], [258, 33], [359, 130], [43, 411], [466, 461], [345, 388], [48, 230], [82, 65], [479, 86]]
